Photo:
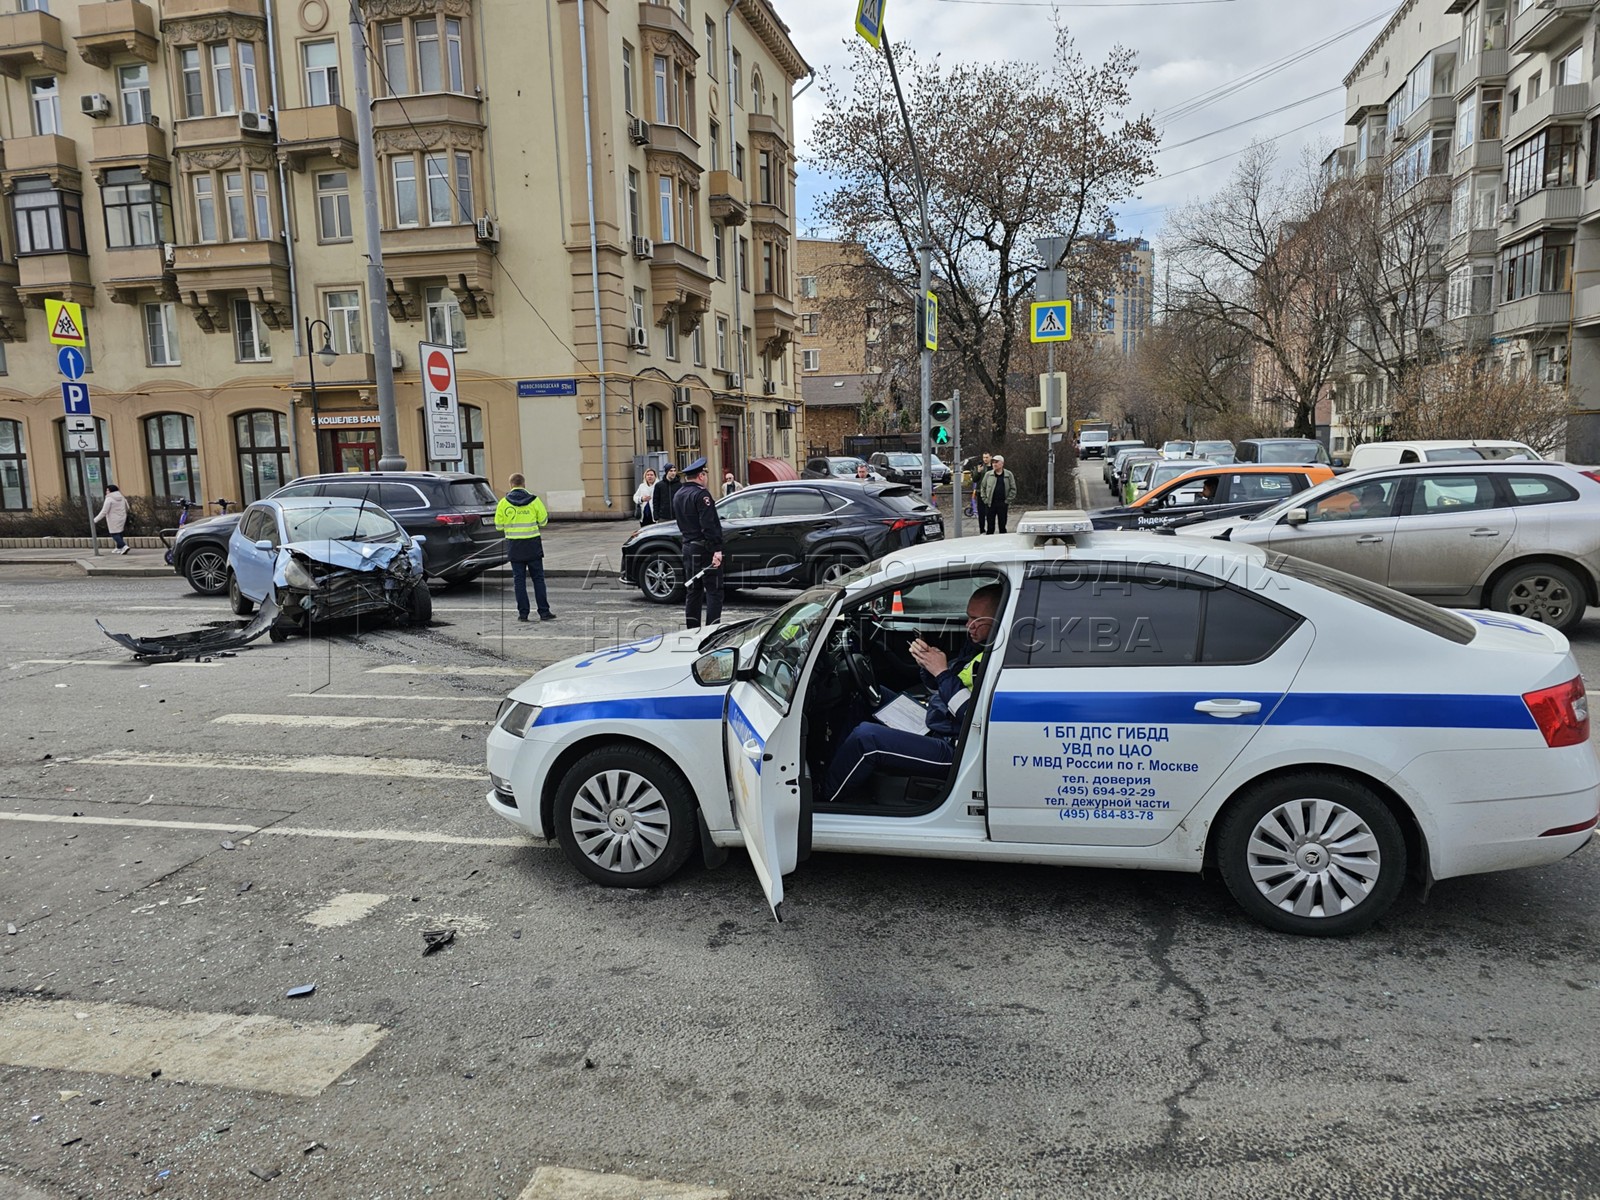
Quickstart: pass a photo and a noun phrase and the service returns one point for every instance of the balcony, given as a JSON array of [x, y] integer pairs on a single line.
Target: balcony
[[56, 276], [326, 131], [727, 203], [52, 156], [134, 273], [1570, 101], [1492, 66], [1550, 206], [669, 139], [1547, 24], [1550, 310], [177, 10], [194, 133], [348, 370], [680, 285], [1591, 201], [1472, 330], [116, 27], [143, 146], [13, 316], [1436, 110], [1482, 155], [775, 321], [31, 39], [762, 125], [428, 108], [428, 256], [207, 274], [1476, 243], [1588, 313], [664, 18]]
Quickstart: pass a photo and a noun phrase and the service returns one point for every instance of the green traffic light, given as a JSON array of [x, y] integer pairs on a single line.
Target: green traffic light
[[941, 436]]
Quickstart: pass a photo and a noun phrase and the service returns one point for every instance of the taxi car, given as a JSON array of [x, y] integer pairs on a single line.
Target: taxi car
[[1238, 491], [1151, 702]]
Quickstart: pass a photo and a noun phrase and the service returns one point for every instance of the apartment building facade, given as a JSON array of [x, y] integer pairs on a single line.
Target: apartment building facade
[[615, 275], [1486, 109], [1121, 318]]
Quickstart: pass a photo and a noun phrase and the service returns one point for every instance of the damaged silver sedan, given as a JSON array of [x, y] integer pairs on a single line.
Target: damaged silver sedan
[[321, 558]]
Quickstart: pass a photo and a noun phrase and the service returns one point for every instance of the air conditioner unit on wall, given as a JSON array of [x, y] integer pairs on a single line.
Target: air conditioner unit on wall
[[1508, 212], [770, 387], [735, 382], [488, 229], [169, 253], [785, 421], [643, 247], [683, 414], [397, 361], [638, 339], [639, 131], [96, 105], [251, 122], [687, 437]]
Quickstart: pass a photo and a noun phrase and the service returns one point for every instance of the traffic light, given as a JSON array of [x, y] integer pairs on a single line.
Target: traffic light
[[939, 414]]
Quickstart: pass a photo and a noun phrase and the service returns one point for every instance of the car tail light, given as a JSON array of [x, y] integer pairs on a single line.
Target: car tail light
[[453, 519], [1562, 713], [1594, 474], [896, 524]]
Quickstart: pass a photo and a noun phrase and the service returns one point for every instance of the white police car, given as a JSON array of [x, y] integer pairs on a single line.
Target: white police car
[[1148, 702]]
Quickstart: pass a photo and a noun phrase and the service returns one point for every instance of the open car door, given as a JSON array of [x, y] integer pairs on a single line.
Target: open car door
[[761, 742]]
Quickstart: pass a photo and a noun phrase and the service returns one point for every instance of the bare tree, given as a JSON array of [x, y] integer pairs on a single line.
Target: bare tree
[[1265, 258], [1469, 395], [1197, 371], [1011, 152]]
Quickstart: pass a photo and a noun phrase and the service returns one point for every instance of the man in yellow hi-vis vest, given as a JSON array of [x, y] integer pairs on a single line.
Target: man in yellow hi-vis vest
[[519, 517], [954, 680]]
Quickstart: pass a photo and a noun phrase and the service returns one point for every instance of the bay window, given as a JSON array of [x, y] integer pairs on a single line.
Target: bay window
[[426, 53], [49, 220], [432, 188], [1534, 266], [138, 211]]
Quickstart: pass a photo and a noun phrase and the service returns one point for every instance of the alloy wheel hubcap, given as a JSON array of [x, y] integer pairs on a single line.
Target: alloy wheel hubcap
[[208, 569], [1541, 598], [621, 821], [1314, 858], [659, 577]]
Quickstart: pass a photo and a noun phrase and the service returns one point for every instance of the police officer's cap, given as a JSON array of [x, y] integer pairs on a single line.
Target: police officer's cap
[[696, 466]]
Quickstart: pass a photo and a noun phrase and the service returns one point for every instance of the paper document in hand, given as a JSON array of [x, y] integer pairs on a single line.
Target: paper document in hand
[[903, 713]]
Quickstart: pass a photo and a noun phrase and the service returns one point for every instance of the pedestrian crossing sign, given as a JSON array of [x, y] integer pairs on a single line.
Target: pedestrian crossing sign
[[869, 21], [65, 320], [1051, 321]]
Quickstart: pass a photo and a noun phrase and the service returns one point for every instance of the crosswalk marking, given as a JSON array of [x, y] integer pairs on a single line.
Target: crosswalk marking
[[297, 720], [309, 764], [370, 835], [344, 909], [256, 1053], [565, 1183], [416, 669]]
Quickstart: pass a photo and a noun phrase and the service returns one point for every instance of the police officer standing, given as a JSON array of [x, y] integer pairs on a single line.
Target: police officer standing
[[702, 546], [519, 516]]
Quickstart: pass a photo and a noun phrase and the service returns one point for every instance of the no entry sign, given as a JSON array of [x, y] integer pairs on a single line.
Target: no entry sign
[[440, 406]]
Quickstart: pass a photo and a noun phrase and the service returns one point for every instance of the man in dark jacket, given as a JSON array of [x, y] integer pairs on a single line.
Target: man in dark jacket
[[702, 547], [871, 746], [519, 517], [661, 508]]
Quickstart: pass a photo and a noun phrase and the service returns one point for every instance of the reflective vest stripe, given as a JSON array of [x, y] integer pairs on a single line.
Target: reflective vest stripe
[[959, 701], [965, 675]]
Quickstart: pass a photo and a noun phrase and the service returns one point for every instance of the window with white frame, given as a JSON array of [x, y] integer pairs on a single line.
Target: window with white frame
[[218, 78], [205, 209], [719, 250], [249, 94], [404, 172], [446, 195], [446, 326], [161, 334], [424, 53], [344, 319], [322, 72], [45, 95], [755, 93], [221, 55], [1568, 68], [634, 228], [249, 333], [737, 71], [333, 206], [697, 345], [715, 136], [627, 78], [669, 338], [133, 92], [722, 343], [33, 6], [811, 360], [664, 208], [808, 287], [711, 48], [638, 308]]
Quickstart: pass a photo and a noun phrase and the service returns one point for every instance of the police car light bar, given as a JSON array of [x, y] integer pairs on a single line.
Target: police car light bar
[[1055, 522]]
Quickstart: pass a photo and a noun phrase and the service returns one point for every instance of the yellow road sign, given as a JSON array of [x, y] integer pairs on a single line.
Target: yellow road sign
[[65, 320], [1050, 321], [869, 21]]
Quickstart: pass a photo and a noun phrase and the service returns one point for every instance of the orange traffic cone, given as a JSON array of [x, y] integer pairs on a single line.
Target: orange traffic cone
[[897, 608]]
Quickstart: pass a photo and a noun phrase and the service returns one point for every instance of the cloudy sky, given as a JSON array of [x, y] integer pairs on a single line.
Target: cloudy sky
[[1185, 50]]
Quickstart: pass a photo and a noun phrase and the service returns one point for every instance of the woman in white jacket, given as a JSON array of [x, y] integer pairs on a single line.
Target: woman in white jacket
[[114, 512], [641, 497]]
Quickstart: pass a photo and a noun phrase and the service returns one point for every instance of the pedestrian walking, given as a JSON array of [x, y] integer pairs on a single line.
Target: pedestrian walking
[[730, 485], [644, 498], [661, 508], [996, 492], [520, 516], [702, 547], [114, 512], [980, 507]]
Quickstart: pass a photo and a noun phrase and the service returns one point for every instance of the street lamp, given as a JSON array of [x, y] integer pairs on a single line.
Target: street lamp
[[327, 354]]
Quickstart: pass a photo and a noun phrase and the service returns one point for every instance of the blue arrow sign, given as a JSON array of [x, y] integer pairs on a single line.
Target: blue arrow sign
[[70, 360], [75, 398]]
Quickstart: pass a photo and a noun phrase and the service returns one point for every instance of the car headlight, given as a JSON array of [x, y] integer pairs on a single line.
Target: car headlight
[[515, 717], [297, 577]]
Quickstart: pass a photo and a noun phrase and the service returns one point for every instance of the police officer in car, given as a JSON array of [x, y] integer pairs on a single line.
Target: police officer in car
[[697, 518]]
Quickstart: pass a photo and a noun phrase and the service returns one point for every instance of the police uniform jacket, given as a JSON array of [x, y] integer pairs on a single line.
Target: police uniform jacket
[[953, 690], [697, 516]]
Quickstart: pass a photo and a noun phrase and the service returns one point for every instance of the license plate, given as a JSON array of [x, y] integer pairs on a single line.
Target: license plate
[[936, 528], [489, 521]]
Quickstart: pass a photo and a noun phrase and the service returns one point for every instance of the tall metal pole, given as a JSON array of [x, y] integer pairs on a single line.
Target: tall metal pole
[[390, 458], [1050, 425], [955, 467], [925, 265]]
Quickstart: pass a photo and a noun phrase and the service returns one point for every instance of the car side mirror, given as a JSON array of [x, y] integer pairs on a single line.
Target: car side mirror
[[717, 668], [1339, 462], [1296, 516], [263, 544], [419, 538]]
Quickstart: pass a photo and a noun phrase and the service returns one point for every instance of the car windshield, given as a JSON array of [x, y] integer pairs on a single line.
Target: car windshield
[[354, 523], [1168, 471], [902, 460], [472, 493], [844, 466], [1096, 435], [1291, 452], [1178, 446]]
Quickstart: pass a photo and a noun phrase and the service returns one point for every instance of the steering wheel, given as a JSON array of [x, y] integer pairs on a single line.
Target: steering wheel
[[859, 666]]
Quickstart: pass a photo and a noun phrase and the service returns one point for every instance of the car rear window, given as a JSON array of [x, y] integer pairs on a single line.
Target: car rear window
[[1455, 454], [471, 493], [1540, 489], [1416, 613], [1290, 452], [903, 500]]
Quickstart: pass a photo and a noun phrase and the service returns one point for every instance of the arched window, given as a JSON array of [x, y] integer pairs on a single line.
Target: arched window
[[174, 457], [655, 428], [13, 468], [91, 452], [470, 420], [755, 93], [261, 441]]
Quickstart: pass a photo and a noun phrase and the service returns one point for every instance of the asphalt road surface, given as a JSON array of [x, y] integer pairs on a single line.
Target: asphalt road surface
[[915, 1028]]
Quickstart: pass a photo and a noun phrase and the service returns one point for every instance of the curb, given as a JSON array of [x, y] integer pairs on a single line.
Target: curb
[[90, 567]]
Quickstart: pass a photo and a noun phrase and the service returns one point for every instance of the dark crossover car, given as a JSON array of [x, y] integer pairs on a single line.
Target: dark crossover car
[[902, 466], [453, 510], [790, 534]]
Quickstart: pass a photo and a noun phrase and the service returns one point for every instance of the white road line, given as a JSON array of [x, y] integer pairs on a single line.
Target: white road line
[[381, 696], [402, 669], [101, 662], [301, 720], [344, 909], [257, 1053], [374, 835], [565, 1183], [310, 764], [183, 608]]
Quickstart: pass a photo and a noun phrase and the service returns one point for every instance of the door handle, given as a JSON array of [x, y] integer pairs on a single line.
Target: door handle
[[752, 750], [1228, 709], [1370, 539], [1485, 533]]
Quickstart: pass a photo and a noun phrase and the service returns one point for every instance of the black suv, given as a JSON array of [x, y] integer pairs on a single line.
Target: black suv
[[789, 534], [454, 511]]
